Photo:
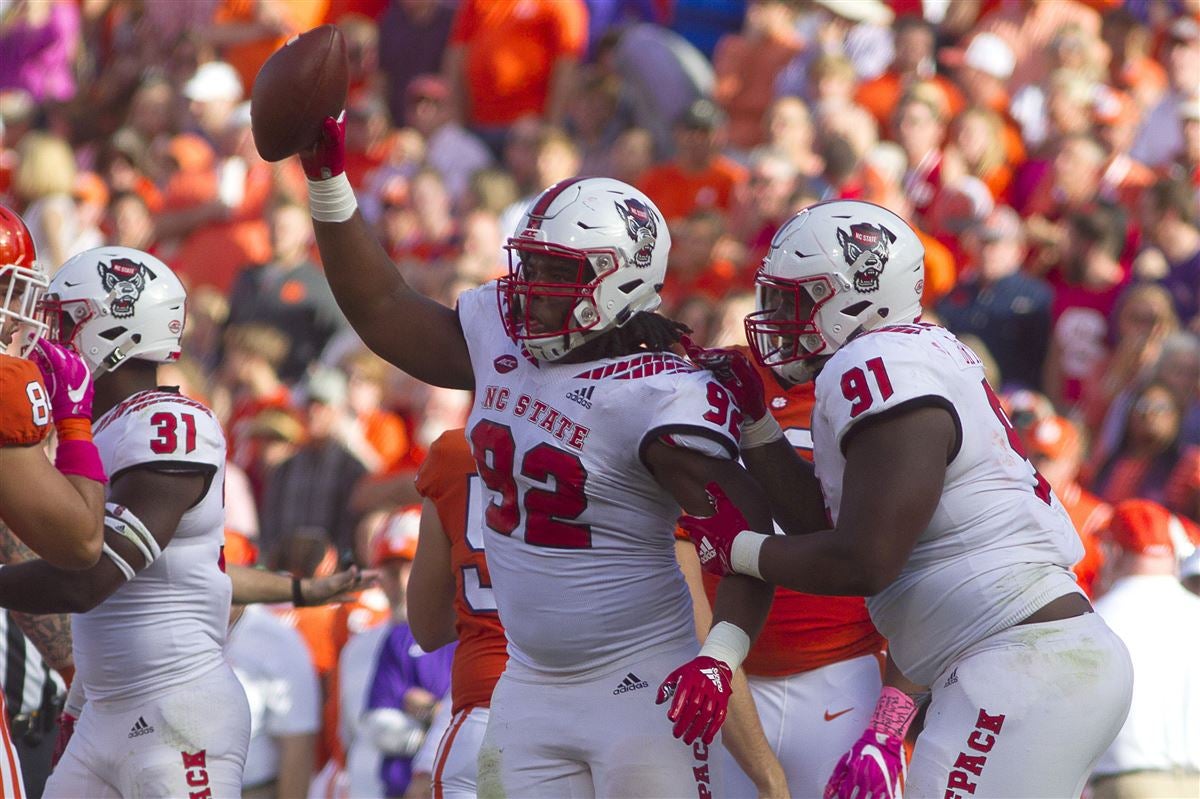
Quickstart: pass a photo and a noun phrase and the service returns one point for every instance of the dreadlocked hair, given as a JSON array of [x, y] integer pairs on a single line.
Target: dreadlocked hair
[[645, 331]]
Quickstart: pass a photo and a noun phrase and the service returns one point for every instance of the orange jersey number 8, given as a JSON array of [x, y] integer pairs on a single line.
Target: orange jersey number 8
[[38, 402]]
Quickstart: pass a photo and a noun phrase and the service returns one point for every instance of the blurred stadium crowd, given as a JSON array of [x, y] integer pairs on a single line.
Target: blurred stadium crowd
[[1048, 153]]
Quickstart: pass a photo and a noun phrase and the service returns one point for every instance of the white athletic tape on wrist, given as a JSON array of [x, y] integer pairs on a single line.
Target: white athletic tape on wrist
[[331, 200], [744, 554], [764, 431], [119, 562], [728, 643], [120, 519]]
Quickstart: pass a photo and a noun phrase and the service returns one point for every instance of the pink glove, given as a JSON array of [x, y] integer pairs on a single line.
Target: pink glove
[[67, 379], [327, 158], [713, 535], [875, 767], [701, 688], [733, 370], [66, 728]]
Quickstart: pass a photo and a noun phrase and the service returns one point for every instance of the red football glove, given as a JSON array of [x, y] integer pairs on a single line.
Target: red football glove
[[66, 728], [713, 535], [733, 370], [701, 688], [327, 158], [874, 768], [67, 378]]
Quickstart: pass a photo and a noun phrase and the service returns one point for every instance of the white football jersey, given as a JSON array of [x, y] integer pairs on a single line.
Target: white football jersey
[[999, 546], [580, 535], [166, 625]]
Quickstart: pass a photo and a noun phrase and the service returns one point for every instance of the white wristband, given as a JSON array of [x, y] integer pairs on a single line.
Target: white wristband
[[728, 643], [743, 554], [764, 431], [331, 200]]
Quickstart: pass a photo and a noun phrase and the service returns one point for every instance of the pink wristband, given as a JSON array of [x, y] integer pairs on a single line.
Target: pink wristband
[[80, 457], [894, 712]]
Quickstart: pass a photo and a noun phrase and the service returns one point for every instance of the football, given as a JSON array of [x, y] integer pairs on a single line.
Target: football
[[301, 83]]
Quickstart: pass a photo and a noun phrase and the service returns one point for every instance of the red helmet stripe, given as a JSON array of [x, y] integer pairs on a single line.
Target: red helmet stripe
[[547, 199]]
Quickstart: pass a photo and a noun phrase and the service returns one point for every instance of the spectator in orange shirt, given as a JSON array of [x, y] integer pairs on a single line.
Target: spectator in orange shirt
[[747, 63], [510, 58], [913, 63], [383, 430], [697, 265], [699, 176], [249, 31], [1149, 454], [982, 71]]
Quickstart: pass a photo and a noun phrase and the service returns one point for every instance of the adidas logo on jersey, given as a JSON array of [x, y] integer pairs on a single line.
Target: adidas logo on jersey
[[715, 676], [630, 683], [583, 396], [140, 728], [952, 679]]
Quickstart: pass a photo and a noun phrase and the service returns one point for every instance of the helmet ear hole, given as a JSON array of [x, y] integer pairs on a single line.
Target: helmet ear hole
[[857, 308], [112, 333], [628, 288]]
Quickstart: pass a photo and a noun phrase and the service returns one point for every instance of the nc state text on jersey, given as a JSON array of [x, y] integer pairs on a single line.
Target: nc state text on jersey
[[534, 411]]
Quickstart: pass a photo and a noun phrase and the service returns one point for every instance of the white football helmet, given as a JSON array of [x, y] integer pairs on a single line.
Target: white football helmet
[[114, 303], [834, 270], [619, 240], [22, 283]]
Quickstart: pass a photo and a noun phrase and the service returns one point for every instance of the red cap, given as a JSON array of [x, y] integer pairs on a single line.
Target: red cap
[[239, 550], [397, 537], [1051, 438], [1145, 527]]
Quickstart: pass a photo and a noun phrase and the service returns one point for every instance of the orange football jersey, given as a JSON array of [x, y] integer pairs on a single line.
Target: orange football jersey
[[448, 479], [24, 404], [804, 631], [1090, 515]]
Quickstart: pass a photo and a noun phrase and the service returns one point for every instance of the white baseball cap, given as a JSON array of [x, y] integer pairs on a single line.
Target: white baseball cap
[[991, 55], [214, 81], [873, 12]]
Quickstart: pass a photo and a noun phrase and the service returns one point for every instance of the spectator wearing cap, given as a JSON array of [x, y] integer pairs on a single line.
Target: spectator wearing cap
[[1169, 221], [982, 71], [1056, 447], [38, 44], [508, 59], [213, 93], [248, 33], [289, 292], [1157, 751], [412, 42], [305, 496], [408, 682], [1116, 118], [914, 63], [698, 176], [1030, 27], [746, 65], [1160, 138], [1007, 309], [453, 151]]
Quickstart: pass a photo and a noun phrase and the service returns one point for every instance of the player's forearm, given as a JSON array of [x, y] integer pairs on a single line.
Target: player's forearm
[[743, 601], [790, 485], [50, 633], [820, 563], [251, 586], [38, 587], [745, 740], [296, 754], [413, 332]]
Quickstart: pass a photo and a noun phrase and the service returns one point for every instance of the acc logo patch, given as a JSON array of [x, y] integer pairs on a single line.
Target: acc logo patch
[[866, 248], [505, 363]]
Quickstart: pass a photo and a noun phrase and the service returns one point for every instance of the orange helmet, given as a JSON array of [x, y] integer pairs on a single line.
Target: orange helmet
[[22, 282], [397, 536]]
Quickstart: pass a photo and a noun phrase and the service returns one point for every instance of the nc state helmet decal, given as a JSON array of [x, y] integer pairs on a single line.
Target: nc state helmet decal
[[124, 279], [866, 249], [642, 227]]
